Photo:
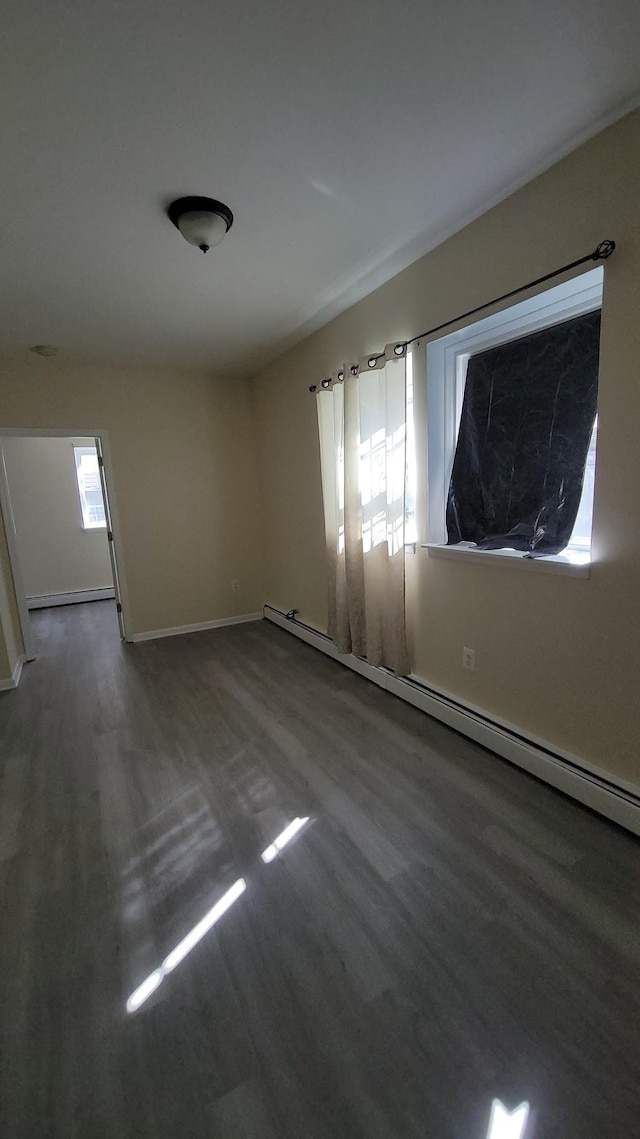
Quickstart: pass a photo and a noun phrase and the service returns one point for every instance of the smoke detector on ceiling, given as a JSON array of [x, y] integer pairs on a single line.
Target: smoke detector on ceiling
[[47, 350], [201, 221]]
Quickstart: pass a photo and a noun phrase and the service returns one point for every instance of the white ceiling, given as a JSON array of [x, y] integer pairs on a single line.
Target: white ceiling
[[348, 137]]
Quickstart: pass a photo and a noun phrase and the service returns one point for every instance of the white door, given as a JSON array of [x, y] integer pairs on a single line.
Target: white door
[[112, 551]]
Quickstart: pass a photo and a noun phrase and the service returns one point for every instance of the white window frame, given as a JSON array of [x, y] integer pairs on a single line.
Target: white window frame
[[78, 451], [446, 360]]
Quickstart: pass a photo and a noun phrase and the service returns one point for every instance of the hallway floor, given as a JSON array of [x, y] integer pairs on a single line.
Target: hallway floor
[[444, 929]]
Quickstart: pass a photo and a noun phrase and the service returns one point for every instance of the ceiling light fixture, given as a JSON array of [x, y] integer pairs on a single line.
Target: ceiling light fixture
[[201, 221]]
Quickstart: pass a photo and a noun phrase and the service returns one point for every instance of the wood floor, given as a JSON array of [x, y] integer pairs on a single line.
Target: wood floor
[[443, 931]]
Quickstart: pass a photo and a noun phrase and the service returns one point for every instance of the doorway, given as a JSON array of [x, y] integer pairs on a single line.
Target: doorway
[[61, 525]]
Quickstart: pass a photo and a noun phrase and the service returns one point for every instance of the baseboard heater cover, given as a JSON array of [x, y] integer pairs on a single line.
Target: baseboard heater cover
[[620, 803], [77, 597]]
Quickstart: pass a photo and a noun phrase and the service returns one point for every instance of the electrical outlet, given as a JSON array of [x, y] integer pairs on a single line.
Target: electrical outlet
[[469, 659], [235, 585]]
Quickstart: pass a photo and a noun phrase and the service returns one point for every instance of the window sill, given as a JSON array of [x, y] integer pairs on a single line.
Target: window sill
[[557, 563]]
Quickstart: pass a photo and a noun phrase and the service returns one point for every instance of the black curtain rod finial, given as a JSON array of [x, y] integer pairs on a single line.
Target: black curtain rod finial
[[604, 250]]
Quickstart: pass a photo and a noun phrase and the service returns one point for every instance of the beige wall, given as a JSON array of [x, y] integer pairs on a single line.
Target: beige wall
[[556, 656], [184, 480], [56, 554]]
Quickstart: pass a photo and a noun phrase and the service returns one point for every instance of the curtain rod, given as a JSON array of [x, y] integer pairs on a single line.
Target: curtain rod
[[600, 253]]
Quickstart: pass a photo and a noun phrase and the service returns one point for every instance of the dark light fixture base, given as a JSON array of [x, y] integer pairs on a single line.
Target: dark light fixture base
[[207, 205]]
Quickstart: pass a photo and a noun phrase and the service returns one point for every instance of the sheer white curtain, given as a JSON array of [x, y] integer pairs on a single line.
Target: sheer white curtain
[[363, 447]]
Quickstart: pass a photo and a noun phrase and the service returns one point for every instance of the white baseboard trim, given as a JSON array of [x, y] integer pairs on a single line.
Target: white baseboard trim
[[76, 598], [14, 680], [616, 800], [177, 630]]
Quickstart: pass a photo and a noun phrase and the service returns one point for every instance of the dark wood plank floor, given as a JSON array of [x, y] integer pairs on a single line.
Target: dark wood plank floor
[[444, 930]]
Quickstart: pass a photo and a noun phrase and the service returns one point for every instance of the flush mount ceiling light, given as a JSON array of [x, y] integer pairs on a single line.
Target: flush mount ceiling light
[[201, 221]]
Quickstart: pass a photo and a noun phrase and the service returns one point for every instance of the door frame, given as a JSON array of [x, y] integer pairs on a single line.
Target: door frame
[[120, 579]]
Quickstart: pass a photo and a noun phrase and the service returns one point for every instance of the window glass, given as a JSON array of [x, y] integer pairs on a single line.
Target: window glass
[[447, 362], [89, 488], [527, 419]]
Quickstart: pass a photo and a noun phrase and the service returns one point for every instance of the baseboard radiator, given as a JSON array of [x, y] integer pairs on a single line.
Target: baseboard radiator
[[617, 801]]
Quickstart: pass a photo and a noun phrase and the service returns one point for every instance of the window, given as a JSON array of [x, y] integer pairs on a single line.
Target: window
[[564, 313], [89, 488]]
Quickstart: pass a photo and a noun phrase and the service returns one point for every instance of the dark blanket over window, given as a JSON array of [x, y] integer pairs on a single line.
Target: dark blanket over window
[[528, 411]]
